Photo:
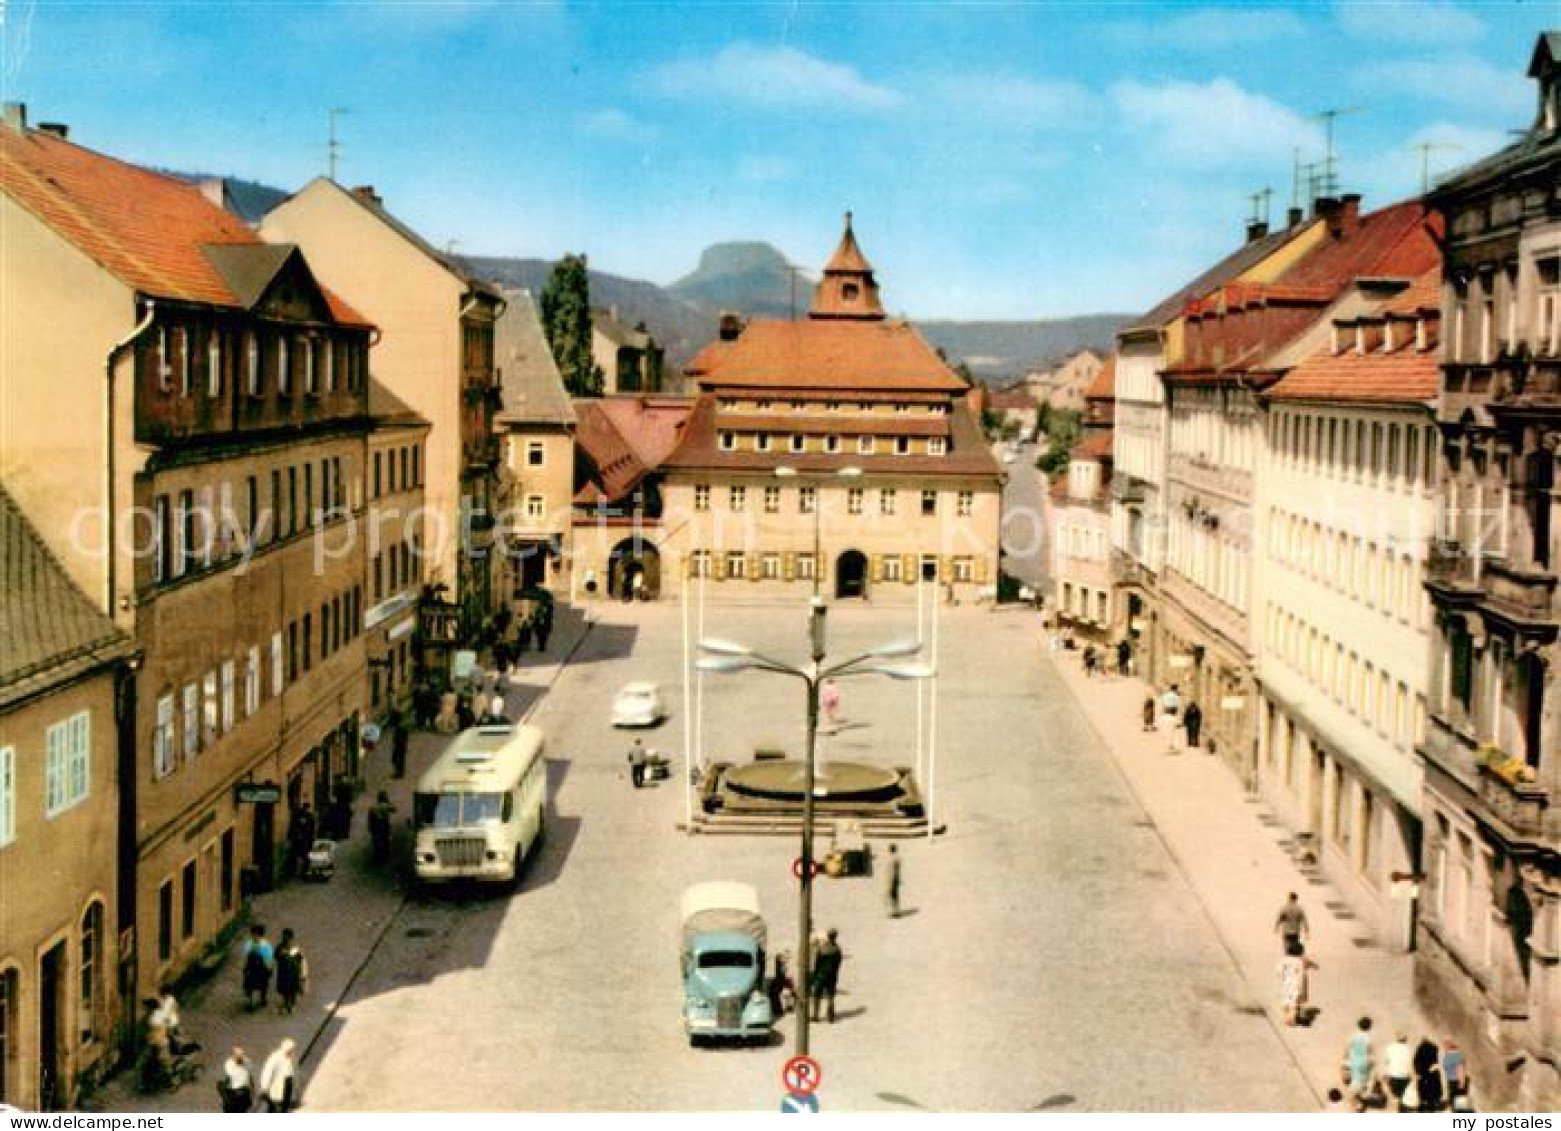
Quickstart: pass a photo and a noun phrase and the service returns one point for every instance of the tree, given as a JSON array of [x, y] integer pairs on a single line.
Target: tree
[[566, 320]]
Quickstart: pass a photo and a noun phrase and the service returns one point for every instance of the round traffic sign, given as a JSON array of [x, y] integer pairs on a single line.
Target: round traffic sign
[[801, 1075], [798, 864]]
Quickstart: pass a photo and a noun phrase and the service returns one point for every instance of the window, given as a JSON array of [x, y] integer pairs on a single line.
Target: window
[[251, 364], [165, 921], [10, 1035], [967, 503], [832, 444], [209, 711], [761, 442], [807, 499], [736, 562], [308, 642], [929, 503], [805, 567], [728, 442], [891, 568], [379, 461], [1547, 312], [164, 368], [799, 442], [902, 445], [67, 764], [536, 453], [225, 880], [536, 506], [187, 903], [252, 683], [284, 365], [330, 375], [91, 971], [770, 567], [886, 501], [772, 497], [184, 534], [417, 469], [854, 500], [737, 498], [213, 362], [227, 696], [278, 675], [865, 445], [702, 497], [7, 795], [964, 569], [929, 567], [160, 539], [163, 760], [936, 446], [699, 563]]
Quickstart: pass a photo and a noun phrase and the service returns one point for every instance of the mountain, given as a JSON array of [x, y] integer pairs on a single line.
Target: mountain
[[996, 351], [751, 276]]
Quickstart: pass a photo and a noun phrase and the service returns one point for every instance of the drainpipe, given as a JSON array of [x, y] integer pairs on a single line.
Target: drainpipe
[[111, 572]]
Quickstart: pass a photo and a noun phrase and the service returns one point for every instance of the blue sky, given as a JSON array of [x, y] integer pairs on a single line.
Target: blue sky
[[1003, 160]]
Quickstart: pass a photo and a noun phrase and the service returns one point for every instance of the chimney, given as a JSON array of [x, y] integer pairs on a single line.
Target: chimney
[[1256, 230], [731, 325], [1349, 212], [1325, 207], [367, 194], [214, 189], [1294, 217], [16, 115], [56, 129]]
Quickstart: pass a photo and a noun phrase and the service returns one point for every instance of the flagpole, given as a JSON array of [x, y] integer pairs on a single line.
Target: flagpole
[[921, 734], [688, 719], [932, 725], [699, 679]]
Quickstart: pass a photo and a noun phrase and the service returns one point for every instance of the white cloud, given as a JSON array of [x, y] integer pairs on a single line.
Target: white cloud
[[1459, 79], [1408, 21], [1213, 29], [773, 76], [1396, 172], [1211, 125], [1014, 101], [765, 168], [613, 124]]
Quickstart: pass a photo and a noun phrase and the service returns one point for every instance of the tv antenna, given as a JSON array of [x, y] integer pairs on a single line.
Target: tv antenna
[[1426, 148], [332, 145], [1260, 201], [1329, 181], [792, 271]]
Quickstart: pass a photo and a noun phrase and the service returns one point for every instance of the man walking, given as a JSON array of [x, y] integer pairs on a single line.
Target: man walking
[[1170, 715], [379, 826], [637, 762], [292, 971], [278, 1077], [1192, 718], [1291, 926], [892, 883], [398, 744], [1124, 657], [826, 975]]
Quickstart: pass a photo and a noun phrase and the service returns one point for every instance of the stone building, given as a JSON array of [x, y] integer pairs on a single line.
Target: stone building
[[435, 352], [629, 358], [204, 490], [393, 531], [1490, 958], [838, 450], [66, 697], [1345, 489]]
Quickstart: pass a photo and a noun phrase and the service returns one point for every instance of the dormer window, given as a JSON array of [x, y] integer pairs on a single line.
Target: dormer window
[[902, 445], [214, 362], [284, 366], [728, 442], [164, 368], [1389, 339], [1420, 334], [851, 291], [252, 364], [936, 446], [864, 445], [832, 444], [799, 442], [1336, 345], [763, 441]]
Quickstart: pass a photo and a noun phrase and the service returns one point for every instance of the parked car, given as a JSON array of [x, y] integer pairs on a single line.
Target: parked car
[[723, 963], [638, 705]]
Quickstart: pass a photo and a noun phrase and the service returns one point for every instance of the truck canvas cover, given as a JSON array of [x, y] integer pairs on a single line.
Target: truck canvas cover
[[722, 905]]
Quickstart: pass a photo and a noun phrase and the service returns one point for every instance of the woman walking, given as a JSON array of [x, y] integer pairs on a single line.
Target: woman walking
[[279, 1078], [235, 1087], [292, 971]]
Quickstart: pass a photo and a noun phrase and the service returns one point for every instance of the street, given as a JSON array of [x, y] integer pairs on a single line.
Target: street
[[1026, 544], [1052, 955]]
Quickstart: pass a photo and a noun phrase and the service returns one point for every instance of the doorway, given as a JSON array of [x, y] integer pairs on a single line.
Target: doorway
[[51, 1011], [851, 574]]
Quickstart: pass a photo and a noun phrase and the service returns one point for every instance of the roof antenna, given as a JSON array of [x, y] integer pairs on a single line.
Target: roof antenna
[[332, 146], [1426, 148], [1329, 181]]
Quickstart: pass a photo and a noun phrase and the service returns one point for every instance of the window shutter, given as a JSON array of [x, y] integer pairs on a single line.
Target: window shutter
[[755, 567], [910, 569], [981, 561], [789, 565], [946, 568], [875, 568]]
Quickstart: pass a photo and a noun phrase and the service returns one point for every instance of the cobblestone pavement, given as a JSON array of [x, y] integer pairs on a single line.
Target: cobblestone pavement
[[1053, 957]]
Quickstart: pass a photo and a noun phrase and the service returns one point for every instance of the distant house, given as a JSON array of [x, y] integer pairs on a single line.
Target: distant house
[[628, 355], [1016, 407], [1062, 384]]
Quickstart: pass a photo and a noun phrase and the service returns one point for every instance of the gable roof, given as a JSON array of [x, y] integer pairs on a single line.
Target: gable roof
[[50, 633], [157, 234], [618, 332], [606, 461], [1243, 259], [1103, 387], [844, 354], [650, 425], [1398, 241], [532, 389]]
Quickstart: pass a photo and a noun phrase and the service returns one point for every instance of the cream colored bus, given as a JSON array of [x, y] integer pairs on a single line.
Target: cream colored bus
[[482, 806]]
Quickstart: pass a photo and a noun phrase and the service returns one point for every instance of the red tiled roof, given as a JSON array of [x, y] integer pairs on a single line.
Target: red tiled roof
[[615, 467], [1095, 445], [1103, 387], [650, 425], [1011, 401], [835, 355], [146, 229], [700, 451], [1405, 376], [1424, 295], [1398, 241]]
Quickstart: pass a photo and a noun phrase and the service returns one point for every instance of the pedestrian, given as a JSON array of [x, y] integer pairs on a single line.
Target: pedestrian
[[1428, 1076], [1358, 1058], [1149, 714], [892, 883], [1089, 660], [780, 988], [826, 975], [495, 715], [157, 1052], [501, 655], [829, 699], [235, 1087], [524, 635], [544, 627], [300, 837], [1293, 986], [1170, 711], [168, 1014], [379, 826], [292, 971], [637, 762], [258, 960], [1290, 924], [398, 746], [1398, 1068], [341, 810], [464, 715], [425, 702], [279, 1078], [1192, 718], [1124, 657], [1455, 1073]]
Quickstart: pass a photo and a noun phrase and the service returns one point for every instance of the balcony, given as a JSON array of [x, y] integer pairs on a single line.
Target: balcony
[[1127, 488], [1524, 595], [1520, 805], [1128, 570]]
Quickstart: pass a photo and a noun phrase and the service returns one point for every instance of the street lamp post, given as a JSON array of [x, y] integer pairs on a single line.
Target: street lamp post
[[784, 472], [725, 657]]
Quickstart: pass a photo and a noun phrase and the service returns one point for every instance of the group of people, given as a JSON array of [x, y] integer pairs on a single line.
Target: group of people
[[512, 636], [278, 1083], [823, 980], [1097, 660], [285, 962], [1425, 1078], [1168, 715], [163, 1042]]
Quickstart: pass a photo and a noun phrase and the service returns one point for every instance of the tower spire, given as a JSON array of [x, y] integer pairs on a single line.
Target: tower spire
[[848, 289]]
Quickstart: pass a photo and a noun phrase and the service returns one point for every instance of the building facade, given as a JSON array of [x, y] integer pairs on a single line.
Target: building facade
[[1345, 487], [393, 532], [210, 506], [66, 695], [435, 352], [1490, 961], [628, 356], [838, 450]]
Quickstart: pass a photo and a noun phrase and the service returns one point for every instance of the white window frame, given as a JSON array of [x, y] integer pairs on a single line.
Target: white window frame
[[278, 670], [855, 497], [770, 567], [67, 764], [832, 445], [7, 795], [536, 506], [806, 566], [937, 446], [761, 442], [182, 335], [284, 361], [228, 717], [772, 500], [330, 365], [967, 504], [252, 682], [902, 445], [252, 363], [865, 445], [893, 569], [164, 757], [886, 501], [309, 347], [701, 496], [807, 500], [737, 499], [735, 565], [210, 716], [728, 441], [964, 569], [213, 361], [536, 453], [799, 442]]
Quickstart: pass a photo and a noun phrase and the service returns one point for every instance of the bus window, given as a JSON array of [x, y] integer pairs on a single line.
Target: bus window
[[440, 810], [481, 808]]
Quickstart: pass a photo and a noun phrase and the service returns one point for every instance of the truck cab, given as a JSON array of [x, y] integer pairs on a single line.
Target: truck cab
[[723, 964]]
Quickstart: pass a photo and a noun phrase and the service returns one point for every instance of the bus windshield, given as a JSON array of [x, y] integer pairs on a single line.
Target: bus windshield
[[455, 810]]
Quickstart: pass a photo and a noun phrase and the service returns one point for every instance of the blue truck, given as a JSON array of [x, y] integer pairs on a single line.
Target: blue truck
[[723, 938]]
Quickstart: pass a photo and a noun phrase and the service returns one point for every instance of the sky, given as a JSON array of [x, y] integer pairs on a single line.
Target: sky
[[1002, 160]]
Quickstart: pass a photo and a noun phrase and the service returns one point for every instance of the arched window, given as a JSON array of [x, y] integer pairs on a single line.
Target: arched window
[[91, 965]]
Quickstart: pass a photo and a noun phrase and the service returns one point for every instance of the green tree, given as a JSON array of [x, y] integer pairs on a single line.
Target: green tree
[[566, 320]]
